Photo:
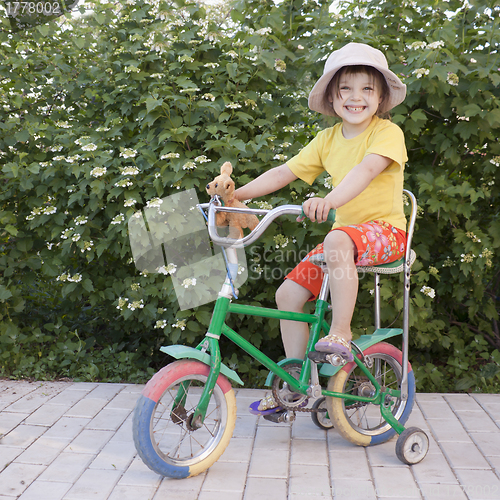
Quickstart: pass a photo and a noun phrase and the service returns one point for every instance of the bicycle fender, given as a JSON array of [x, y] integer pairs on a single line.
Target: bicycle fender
[[182, 351], [363, 342]]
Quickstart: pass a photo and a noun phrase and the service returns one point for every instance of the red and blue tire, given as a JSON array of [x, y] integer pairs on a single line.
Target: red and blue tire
[[154, 407]]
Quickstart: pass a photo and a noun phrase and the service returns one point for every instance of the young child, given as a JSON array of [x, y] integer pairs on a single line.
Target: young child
[[365, 156]]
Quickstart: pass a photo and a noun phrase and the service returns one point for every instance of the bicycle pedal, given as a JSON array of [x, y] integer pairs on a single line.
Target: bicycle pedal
[[318, 357], [281, 417]]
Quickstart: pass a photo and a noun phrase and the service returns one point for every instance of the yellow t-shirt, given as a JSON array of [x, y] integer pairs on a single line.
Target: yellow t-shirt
[[331, 151]]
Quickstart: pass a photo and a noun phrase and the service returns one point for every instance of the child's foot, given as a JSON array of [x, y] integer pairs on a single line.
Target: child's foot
[[265, 406], [332, 344], [268, 405]]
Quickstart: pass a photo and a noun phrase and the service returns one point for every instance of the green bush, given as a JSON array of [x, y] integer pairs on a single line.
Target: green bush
[[109, 110]]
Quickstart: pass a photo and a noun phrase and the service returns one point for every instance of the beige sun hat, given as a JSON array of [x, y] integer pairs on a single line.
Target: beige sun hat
[[354, 54]]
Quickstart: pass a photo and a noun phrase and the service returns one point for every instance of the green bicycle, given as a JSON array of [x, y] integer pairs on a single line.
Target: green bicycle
[[186, 414]]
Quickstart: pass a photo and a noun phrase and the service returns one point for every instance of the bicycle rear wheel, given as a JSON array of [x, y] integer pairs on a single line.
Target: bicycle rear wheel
[[163, 435], [362, 423]]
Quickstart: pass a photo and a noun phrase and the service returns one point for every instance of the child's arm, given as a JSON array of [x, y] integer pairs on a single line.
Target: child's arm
[[354, 183], [268, 182]]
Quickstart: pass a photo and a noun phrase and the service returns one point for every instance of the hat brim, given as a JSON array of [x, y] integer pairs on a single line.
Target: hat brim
[[397, 90]]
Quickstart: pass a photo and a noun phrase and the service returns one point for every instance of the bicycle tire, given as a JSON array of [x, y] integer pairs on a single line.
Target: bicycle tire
[[363, 424], [162, 434]]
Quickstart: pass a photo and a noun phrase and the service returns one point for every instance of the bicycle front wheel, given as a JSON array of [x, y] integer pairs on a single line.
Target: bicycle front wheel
[[362, 423], [163, 435]]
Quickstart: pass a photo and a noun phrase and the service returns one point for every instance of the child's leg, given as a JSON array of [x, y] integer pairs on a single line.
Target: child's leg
[[340, 252], [291, 296]]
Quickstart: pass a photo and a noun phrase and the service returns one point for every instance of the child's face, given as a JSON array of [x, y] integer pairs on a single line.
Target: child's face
[[356, 102]]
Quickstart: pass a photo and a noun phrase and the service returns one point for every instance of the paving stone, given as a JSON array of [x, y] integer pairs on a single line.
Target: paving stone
[[134, 493], [16, 478], [309, 451], [434, 469], [87, 408], [138, 474], [462, 402], [309, 480], [43, 451], [474, 421], [23, 435], [350, 465], [9, 421], [395, 482], [442, 492], [89, 441], [464, 456], [95, 484], [47, 415], [115, 456], [105, 391], [480, 484], [226, 477], [67, 467], [265, 489], [109, 419], [124, 400], [67, 427], [238, 450], [274, 437], [488, 443], [269, 463], [354, 489], [246, 426], [8, 455], [448, 430], [43, 490]]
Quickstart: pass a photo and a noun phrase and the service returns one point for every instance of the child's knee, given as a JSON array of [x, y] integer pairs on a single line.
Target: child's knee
[[291, 296]]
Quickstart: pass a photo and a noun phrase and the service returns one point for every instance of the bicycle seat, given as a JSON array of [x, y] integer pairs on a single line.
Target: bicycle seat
[[390, 268]]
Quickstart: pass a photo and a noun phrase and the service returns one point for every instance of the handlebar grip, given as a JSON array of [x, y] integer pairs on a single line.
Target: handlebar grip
[[330, 218]]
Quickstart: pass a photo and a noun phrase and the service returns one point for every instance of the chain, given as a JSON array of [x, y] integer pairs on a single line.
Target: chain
[[277, 398]]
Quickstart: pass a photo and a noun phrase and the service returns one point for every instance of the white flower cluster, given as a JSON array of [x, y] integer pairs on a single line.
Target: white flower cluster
[[189, 282], [170, 269], [136, 304], [170, 155], [76, 278], [281, 241], [87, 246], [162, 323], [128, 153], [180, 323], [421, 72], [130, 202], [427, 290], [129, 170], [98, 171], [118, 219], [423, 45], [89, 147], [48, 210]]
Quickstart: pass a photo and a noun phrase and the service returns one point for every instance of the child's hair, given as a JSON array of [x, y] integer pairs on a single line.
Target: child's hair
[[374, 74]]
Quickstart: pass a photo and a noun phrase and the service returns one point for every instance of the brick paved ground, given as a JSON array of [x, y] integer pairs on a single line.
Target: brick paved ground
[[73, 441]]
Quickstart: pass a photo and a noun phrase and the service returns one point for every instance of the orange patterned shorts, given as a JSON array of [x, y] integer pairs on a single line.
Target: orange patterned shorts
[[377, 242]]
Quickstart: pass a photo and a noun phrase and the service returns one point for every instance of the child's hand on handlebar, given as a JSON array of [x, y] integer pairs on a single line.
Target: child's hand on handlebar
[[316, 209]]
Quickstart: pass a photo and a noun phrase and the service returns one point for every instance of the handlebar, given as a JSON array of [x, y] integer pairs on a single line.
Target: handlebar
[[269, 215]]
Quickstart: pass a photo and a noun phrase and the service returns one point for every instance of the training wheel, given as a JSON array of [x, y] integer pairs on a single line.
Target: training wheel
[[321, 418], [412, 446]]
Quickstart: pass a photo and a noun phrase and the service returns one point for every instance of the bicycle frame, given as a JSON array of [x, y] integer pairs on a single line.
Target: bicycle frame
[[218, 327]]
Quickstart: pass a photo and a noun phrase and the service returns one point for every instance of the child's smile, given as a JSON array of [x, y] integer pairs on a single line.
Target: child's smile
[[356, 102]]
